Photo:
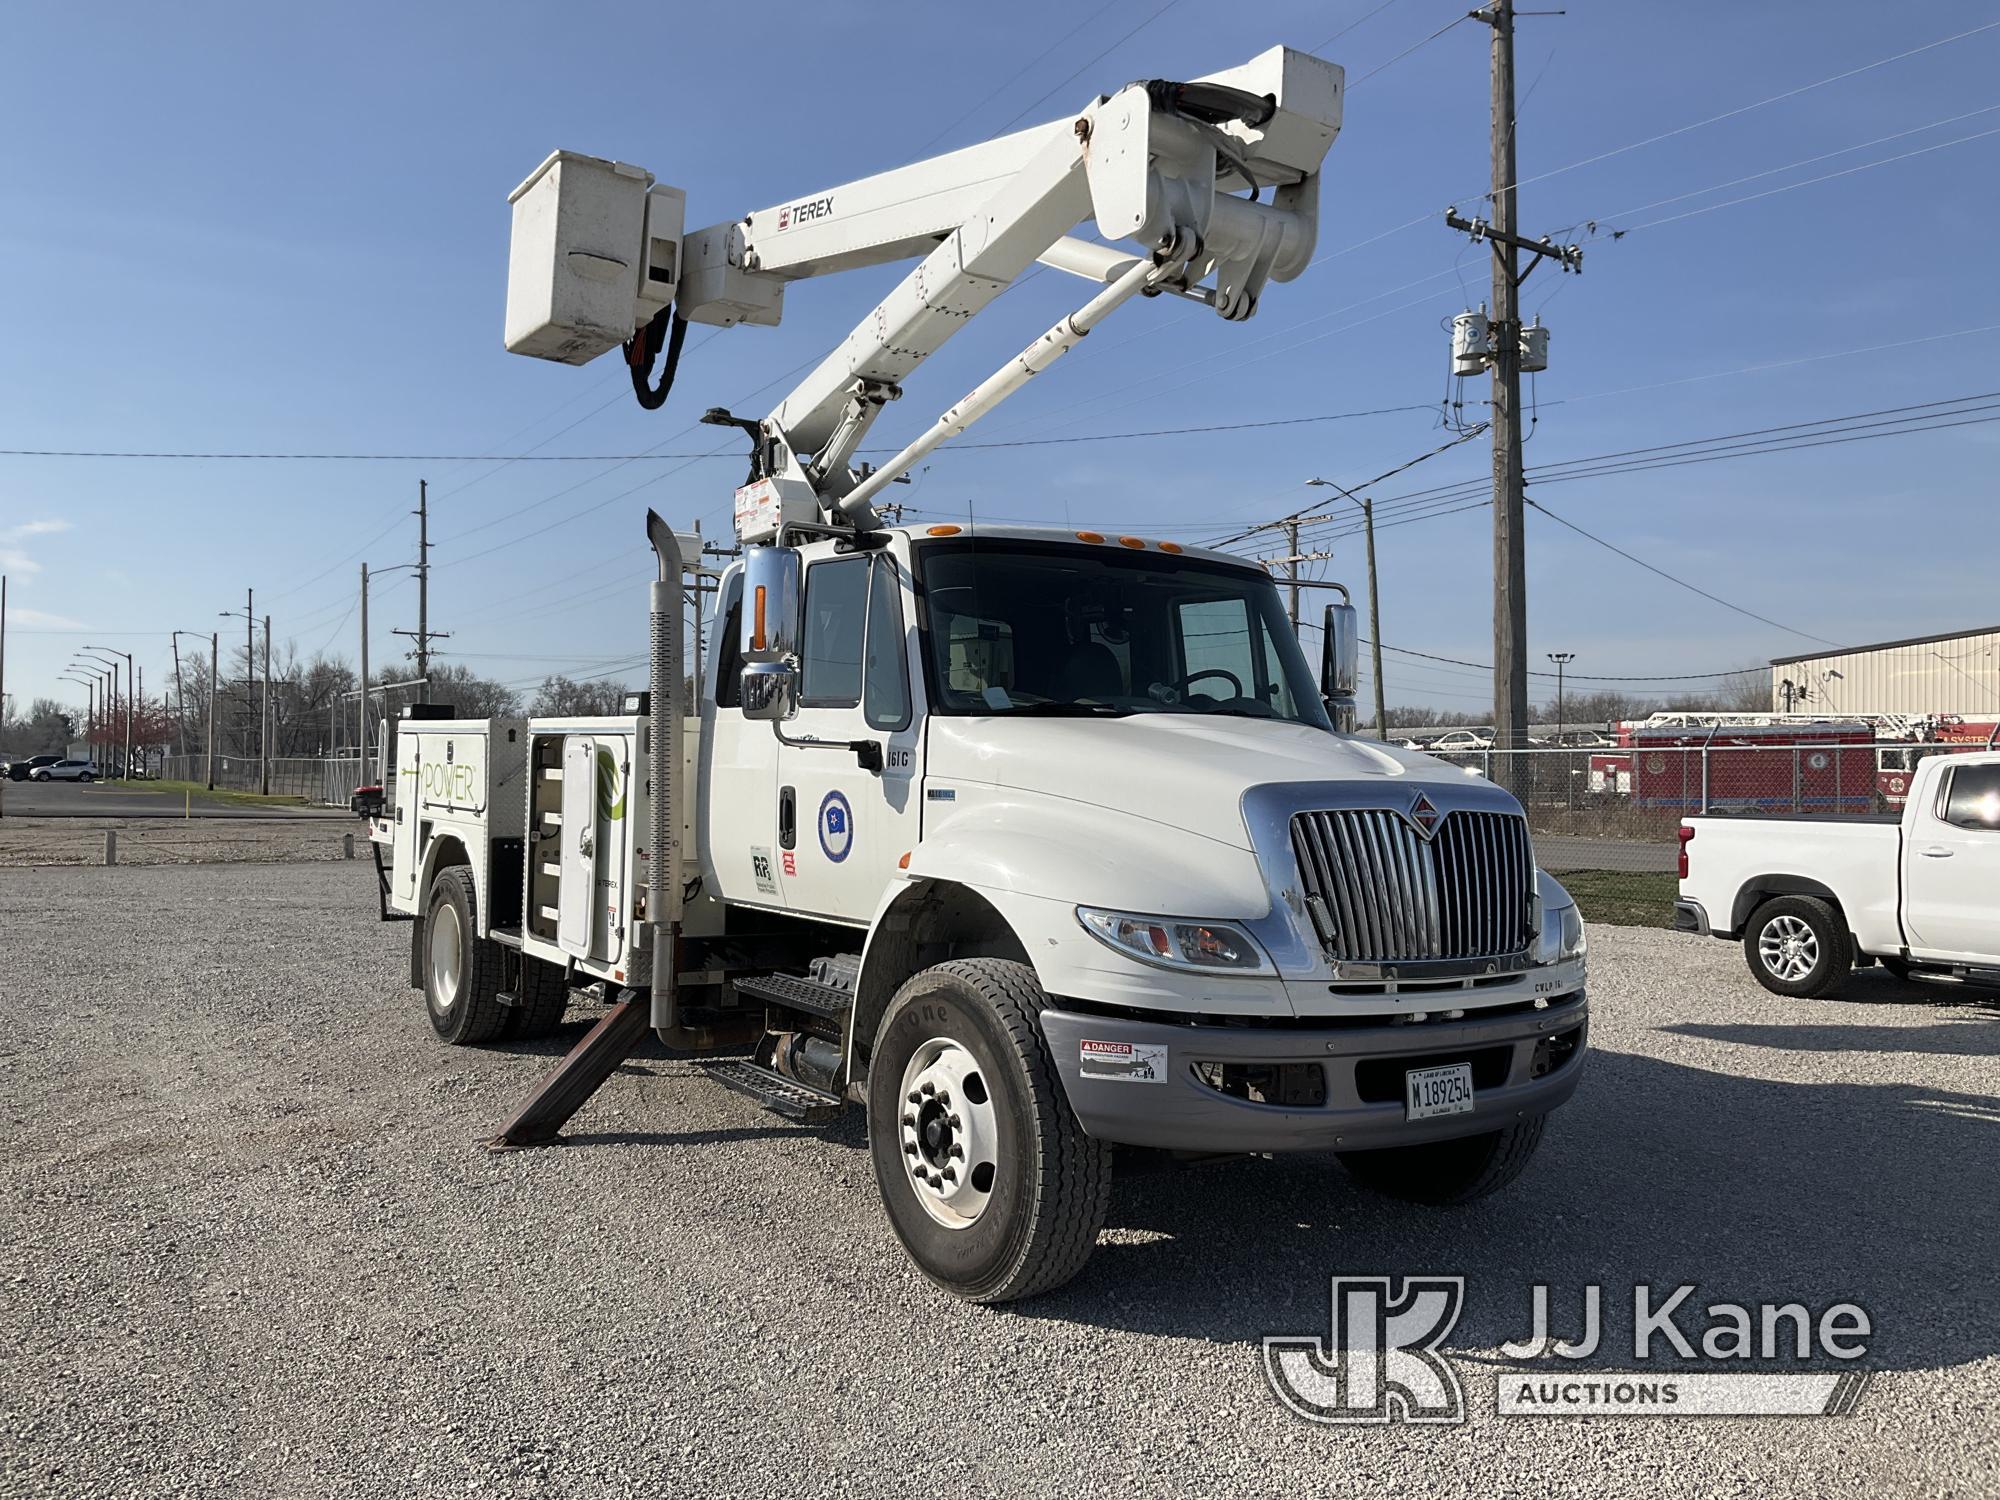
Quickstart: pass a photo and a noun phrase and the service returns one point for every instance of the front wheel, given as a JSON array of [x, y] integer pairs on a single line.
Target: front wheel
[[86, 776], [1446, 1173], [988, 1179], [1797, 945]]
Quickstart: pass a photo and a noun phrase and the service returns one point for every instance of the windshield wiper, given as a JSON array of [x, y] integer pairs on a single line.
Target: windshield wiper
[[1062, 711]]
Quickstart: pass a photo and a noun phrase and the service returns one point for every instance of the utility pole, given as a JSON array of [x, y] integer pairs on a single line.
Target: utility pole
[[1561, 659], [366, 779], [264, 733], [1510, 585], [139, 695], [249, 661], [423, 634], [1292, 568], [1510, 564], [1374, 600], [214, 652], [424, 589]]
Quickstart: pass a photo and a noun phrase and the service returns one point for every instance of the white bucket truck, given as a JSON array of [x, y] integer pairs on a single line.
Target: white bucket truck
[[1045, 846]]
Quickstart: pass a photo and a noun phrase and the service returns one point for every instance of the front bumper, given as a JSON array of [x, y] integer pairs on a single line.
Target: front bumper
[[1161, 1084]]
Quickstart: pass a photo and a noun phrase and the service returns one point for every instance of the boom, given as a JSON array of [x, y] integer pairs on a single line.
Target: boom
[[1181, 171]]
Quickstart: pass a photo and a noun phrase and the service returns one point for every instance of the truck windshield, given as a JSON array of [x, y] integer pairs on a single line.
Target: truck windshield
[[1048, 628]]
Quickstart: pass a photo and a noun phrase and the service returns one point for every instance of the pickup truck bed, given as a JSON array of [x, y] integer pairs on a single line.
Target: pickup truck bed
[[1810, 894]]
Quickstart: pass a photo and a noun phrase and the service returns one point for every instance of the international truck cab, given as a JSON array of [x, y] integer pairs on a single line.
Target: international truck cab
[[1047, 847]]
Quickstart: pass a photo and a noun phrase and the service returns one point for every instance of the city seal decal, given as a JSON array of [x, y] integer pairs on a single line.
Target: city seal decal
[[836, 827]]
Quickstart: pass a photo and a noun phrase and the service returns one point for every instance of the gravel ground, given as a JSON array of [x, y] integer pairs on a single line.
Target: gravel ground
[[256, 1249], [288, 839]]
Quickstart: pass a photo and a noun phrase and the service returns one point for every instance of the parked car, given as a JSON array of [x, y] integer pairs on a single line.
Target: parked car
[[1461, 740], [66, 770], [1811, 895], [25, 766]]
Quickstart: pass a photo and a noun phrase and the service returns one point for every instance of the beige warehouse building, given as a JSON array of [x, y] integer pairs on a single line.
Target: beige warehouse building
[[1928, 675]]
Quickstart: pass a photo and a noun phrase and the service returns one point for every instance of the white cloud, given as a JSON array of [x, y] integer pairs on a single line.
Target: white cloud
[[27, 617], [14, 560], [34, 528]]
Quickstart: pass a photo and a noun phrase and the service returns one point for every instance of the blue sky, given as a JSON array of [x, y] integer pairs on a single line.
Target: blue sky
[[283, 228]]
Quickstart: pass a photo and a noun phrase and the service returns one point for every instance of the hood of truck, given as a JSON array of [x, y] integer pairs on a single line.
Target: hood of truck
[[1186, 770]]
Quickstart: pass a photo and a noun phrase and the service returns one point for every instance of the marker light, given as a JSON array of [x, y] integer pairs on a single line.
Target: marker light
[[757, 623], [1135, 542], [1174, 547], [1176, 942], [1090, 536], [943, 530]]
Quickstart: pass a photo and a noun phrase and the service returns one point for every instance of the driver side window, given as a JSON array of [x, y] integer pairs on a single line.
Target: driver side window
[[1228, 641]]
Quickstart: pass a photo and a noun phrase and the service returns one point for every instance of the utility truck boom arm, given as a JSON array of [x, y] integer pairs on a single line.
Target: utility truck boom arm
[[1157, 164]]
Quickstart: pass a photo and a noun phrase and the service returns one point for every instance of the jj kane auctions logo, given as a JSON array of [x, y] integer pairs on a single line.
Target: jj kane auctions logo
[[1380, 1361]]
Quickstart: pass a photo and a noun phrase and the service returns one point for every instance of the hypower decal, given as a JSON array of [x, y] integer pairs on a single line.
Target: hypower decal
[[836, 827], [610, 788]]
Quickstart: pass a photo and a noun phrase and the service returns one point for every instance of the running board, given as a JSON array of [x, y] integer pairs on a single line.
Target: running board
[[777, 1093], [796, 993], [579, 1075]]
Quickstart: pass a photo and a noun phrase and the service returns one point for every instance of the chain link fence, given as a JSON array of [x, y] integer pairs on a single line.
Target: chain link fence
[[1604, 819], [323, 780]]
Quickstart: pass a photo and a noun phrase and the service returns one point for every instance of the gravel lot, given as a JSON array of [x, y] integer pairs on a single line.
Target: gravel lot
[[256, 1249], [286, 839]]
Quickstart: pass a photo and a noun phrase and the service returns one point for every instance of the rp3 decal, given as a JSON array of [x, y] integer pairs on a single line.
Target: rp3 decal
[[760, 869], [836, 827]]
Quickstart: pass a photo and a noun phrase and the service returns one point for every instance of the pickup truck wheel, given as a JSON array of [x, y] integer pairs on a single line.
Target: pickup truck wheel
[[540, 1000], [1797, 945], [462, 970], [988, 1180]]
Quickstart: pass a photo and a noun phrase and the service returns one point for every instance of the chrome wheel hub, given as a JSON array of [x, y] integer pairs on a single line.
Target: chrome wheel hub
[[949, 1133], [445, 953], [1788, 948]]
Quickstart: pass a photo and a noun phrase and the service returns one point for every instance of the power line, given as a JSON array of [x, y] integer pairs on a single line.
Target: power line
[[1091, 63], [1693, 588]]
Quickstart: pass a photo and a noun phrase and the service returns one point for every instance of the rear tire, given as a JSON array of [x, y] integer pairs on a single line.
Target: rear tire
[[1446, 1173], [540, 999], [1798, 946], [462, 971], [86, 776], [964, 1095]]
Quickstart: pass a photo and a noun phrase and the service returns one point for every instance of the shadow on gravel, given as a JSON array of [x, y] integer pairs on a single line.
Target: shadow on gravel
[[1655, 1173], [1971, 1036]]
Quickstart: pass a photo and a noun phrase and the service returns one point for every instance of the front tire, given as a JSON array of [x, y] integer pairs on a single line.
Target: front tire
[[86, 776], [1798, 946], [988, 1179], [462, 971], [1447, 1173]]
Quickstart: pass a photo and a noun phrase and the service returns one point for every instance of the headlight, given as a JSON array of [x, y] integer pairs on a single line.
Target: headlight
[[1176, 942], [1561, 936]]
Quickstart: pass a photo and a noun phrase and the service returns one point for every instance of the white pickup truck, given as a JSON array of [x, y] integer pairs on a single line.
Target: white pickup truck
[[1812, 896]]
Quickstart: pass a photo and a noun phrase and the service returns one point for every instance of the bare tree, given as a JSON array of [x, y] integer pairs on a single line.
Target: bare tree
[[563, 697]]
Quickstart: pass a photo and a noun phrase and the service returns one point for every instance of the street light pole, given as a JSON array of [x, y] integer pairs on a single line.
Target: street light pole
[[131, 681], [1562, 659]]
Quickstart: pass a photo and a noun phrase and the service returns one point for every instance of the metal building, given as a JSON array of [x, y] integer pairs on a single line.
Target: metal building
[[1926, 675]]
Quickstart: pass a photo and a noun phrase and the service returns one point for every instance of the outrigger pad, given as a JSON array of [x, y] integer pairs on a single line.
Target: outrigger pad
[[578, 1076]]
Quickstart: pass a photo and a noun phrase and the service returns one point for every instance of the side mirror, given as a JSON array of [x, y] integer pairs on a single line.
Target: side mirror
[[769, 690], [1339, 663], [770, 632]]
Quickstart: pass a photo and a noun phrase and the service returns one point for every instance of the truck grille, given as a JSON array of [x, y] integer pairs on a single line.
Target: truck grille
[[1380, 892]]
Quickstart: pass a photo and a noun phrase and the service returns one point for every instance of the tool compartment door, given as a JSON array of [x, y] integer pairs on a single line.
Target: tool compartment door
[[577, 902]]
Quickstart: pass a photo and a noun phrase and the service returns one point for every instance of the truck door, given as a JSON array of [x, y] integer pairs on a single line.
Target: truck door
[[577, 905], [1951, 883], [406, 849], [736, 795], [843, 828]]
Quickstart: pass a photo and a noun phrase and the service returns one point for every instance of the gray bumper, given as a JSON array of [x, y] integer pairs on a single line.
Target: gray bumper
[[1141, 1083], [1691, 916]]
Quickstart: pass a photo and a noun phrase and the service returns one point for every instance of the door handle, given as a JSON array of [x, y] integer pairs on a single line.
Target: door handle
[[788, 820], [1934, 852]]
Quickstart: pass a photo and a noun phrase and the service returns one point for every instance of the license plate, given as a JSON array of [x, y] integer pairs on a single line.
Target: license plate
[[1429, 1092]]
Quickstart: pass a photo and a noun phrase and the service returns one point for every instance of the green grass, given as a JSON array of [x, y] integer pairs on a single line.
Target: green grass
[[1624, 898], [220, 794]]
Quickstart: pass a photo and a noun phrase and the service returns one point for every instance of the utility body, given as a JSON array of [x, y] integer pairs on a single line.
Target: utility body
[[1811, 896], [1046, 846]]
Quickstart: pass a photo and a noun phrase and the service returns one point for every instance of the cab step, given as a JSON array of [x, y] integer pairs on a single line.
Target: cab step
[[777, 1093], [797, 993]]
